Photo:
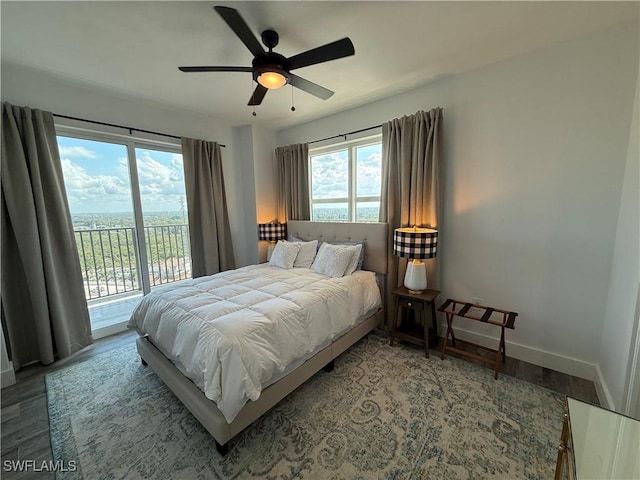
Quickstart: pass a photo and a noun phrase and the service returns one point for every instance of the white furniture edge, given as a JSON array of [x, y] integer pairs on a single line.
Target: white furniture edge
[[206, 411]]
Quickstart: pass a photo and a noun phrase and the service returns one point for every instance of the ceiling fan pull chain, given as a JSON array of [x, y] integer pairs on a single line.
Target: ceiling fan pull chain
[[252, 98], [293, 109]]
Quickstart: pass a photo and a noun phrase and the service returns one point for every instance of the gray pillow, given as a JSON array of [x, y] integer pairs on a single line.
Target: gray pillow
[[306, 254]]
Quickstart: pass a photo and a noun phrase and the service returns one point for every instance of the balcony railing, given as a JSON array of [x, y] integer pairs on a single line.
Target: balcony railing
[[109, 262]]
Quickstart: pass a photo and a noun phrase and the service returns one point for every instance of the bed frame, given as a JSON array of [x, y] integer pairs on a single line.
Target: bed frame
[[206, 411]]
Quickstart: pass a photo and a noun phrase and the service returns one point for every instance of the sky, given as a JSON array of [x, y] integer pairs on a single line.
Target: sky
[[96, 176], [330, 173]]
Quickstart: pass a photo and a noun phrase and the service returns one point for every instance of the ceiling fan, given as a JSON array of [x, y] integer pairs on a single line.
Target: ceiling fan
[[272, 70]]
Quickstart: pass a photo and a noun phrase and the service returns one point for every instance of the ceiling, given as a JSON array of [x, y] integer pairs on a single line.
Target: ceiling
[[134, 48]]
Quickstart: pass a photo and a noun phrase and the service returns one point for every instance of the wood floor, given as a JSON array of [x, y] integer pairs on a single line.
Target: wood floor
[[25, 421]]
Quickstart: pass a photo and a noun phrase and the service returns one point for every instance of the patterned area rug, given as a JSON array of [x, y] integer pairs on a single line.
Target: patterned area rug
[[383, 413]]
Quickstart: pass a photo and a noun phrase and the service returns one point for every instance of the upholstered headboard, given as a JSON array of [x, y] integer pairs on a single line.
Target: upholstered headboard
[[373, 234]]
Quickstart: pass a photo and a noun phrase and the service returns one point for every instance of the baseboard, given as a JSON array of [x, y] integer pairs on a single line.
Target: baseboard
[[109, 330], [537, 356], [606, 400], [8, 377]]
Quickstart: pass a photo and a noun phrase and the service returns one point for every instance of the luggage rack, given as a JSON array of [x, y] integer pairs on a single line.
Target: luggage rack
[[490, 315]]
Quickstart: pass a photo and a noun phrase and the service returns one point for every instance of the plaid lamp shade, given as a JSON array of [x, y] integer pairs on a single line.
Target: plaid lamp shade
[[272, 232], [416, 243]]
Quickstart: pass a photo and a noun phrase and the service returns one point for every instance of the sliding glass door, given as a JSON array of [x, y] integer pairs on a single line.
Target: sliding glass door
[[96, 176], [164, 215], [128, 208]]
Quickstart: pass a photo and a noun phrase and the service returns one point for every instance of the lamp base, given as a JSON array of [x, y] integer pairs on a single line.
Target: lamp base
[[415, 278]]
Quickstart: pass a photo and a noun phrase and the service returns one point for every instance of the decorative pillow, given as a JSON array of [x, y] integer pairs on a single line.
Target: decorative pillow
[[332, 260], [359, 260], [355, 257], [306, 254], [284, 254]]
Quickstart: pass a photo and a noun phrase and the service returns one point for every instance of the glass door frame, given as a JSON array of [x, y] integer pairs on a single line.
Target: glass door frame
[[131, 144]]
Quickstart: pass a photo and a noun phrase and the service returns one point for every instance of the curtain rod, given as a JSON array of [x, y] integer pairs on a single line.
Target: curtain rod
[[341, 135], [131, 129]]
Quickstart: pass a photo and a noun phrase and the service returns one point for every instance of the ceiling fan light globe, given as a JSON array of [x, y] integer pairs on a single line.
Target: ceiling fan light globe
[[272, 80]]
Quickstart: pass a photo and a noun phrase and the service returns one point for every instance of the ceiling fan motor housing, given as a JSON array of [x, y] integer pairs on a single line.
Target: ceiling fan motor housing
[[270, 62]]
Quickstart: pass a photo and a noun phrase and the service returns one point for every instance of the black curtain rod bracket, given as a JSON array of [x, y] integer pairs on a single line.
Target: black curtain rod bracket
[[131, 129]]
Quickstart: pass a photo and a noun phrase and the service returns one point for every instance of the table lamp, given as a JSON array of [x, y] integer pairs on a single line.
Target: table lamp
[[417, 244], [271, 232]]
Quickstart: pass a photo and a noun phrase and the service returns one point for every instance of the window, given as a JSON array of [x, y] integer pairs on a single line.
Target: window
[[128, 209], [346, 181]]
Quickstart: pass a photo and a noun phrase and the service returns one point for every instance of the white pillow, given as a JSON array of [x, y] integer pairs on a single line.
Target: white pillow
[[332, 260], [284, 255], [361, 258], [306, 254]]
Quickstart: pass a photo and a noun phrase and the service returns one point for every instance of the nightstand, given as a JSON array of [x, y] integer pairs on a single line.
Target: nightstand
[[419, 304]]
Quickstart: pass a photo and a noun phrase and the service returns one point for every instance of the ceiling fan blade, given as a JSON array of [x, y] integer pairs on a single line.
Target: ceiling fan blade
[[215, 69], [309, 87], [240, 28], [330, 51], [258, 95]]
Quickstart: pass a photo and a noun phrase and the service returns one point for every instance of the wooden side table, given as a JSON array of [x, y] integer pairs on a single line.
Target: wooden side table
[[418, 303]]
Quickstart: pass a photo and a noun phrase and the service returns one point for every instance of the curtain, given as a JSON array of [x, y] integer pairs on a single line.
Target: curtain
[[411, 155], [209, 230], [293, 182], [43, 304]]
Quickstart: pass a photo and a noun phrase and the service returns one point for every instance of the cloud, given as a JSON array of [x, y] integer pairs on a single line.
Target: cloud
[[77, 152], [330, 175], [86, 191], [161, 184], [160, 181]]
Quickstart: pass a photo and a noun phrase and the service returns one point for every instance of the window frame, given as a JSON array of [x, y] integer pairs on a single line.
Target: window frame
[[352, 198]]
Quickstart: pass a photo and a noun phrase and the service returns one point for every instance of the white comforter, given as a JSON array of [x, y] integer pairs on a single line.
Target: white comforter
[[231, 332]]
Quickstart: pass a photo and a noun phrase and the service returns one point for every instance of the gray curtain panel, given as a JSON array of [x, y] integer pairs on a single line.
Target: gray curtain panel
[[293, 182], [209, 230], [411, 184], [43, 304]]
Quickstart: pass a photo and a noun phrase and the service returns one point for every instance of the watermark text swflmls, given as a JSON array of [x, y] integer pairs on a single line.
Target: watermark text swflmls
[[43, 466]]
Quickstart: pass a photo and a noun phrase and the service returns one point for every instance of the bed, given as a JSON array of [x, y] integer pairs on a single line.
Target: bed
[[222, 389]]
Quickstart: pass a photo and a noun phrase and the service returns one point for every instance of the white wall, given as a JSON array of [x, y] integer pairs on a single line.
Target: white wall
[[266, 182], [7, 376], [256, 201], [620, 327], [30, 87], [240, 200], [535, 153]]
